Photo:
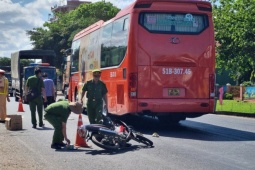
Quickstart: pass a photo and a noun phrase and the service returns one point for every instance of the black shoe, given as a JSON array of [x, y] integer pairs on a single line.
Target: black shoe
[[41, 125], [55, 146], [34, 126], [62, 144]]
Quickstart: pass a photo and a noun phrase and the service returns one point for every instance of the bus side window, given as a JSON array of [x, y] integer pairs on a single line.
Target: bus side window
[[107, 60], [103, 63], [115, 57]]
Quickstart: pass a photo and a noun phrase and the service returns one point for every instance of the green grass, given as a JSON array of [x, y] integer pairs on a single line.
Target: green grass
[[236, 106]]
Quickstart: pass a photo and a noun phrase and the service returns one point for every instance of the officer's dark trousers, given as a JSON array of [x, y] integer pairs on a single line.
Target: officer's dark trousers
[[94, 111], [36, 103], [57, 124], [50, 100]]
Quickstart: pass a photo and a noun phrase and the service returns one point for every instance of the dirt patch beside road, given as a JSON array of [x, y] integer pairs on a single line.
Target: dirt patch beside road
[[13, 154]]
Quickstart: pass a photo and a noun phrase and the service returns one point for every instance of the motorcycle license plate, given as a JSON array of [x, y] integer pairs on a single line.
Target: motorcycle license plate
[[173, 92]]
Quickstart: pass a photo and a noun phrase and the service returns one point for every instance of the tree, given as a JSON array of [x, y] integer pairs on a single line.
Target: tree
[[5, 61], [235, 34], [25, 62], [58, 35]]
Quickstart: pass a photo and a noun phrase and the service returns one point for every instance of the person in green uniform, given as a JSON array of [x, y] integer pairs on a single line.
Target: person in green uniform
[[57, 114], [36, 82], [96, 92]]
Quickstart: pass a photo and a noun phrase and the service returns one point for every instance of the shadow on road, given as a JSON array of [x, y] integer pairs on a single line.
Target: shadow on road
[[190, 130], [69, 150], [45, 128], [121, 151]]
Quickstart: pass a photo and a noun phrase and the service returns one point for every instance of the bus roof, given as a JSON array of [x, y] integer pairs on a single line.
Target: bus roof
[[143, 4], [89, 29]]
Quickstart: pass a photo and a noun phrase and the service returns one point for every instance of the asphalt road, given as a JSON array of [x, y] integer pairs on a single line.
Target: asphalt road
[[208, 142]]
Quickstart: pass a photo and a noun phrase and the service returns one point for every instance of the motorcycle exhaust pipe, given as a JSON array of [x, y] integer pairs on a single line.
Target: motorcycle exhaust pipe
[[107, 132]]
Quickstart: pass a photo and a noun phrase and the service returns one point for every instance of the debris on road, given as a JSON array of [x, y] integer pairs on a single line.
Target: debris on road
[[155, 134]]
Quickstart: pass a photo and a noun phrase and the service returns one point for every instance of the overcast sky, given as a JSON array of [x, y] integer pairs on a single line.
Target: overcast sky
[[17, 16]]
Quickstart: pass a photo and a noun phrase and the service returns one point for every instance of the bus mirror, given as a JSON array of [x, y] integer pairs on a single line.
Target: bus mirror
[[68, 51], [73, 69]]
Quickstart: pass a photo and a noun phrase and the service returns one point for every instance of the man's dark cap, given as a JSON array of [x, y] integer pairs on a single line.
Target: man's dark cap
[[37, 70]]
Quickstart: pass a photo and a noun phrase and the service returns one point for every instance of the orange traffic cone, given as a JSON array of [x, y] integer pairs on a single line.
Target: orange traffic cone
[[20, 109], [80, 142]]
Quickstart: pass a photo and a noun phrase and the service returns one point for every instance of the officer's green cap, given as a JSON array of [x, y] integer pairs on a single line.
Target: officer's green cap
[[96, 70]]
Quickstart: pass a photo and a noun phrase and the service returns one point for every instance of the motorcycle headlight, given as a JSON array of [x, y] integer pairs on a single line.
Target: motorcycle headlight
[[82, 131]]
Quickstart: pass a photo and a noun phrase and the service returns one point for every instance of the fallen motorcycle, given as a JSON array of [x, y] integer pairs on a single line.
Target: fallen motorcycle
[[112, 135]]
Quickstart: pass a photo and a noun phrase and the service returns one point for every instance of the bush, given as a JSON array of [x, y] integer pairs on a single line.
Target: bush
[[247, 83], [228, 96]]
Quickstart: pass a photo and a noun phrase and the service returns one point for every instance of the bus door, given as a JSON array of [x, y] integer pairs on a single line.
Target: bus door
[[175, 52]]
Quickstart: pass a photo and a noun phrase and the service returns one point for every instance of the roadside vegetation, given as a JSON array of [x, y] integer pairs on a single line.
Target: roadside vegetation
[[58, 35], [6, 61], [234, 33], [236, 106]]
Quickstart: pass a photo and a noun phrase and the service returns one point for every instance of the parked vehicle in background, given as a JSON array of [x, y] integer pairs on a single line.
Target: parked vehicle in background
[[157, 58], [20, 74], [45, 68]]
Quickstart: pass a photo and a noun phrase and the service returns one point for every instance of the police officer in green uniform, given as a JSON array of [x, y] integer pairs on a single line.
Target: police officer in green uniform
[[96, 91], [57, 114], [36, 82]]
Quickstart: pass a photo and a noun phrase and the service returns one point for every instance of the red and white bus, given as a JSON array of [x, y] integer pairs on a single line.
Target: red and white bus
[[157, 58]]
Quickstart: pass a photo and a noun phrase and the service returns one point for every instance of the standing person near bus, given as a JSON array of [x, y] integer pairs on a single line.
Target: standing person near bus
[[49, 90], [4, 95], [96, 91], [35, 82]]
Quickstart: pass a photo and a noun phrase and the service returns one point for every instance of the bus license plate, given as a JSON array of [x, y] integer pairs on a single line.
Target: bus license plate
[[173, 92]]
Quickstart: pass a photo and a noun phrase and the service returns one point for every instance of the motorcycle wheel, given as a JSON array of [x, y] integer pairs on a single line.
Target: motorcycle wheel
[[144, 140], [97, 139]]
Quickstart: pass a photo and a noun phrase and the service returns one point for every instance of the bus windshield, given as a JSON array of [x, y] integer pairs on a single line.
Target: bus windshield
[[75, 56], [185, 23]]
